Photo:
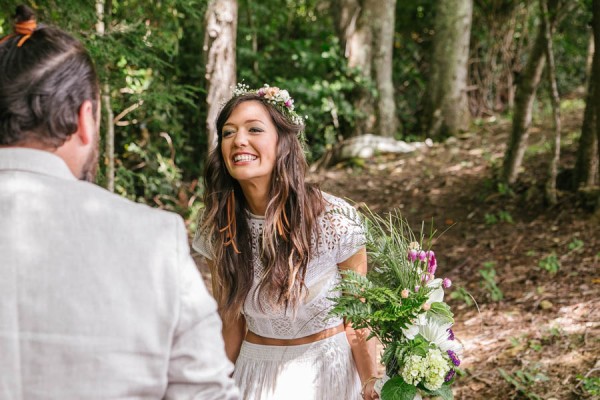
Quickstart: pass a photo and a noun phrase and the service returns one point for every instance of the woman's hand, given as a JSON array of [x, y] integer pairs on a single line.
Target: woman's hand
[[368, 391]]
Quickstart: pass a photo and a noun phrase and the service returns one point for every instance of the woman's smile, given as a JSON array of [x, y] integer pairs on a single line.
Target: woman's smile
[[243, 158]]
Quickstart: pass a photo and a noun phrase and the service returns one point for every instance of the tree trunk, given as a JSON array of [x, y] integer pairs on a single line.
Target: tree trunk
[[524, 98], [555, 144], [345, 14], [595, 75], [219, 52], [586, 167], [110, 137], [383, 48], [445, 105], [354, 25], [366, 32], [103, 12]]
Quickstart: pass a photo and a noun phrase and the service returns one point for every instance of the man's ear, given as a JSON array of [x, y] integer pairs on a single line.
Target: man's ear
[[86, 123]]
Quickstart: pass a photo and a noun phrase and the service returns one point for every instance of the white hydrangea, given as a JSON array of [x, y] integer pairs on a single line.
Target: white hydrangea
[[438, 367], [414, 369], [431, 369]]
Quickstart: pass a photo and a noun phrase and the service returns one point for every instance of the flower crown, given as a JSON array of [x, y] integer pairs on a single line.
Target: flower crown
[[277, 97]]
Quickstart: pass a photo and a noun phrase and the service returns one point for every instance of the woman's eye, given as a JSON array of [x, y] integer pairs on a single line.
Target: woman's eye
[[227, 133], [254, 129]]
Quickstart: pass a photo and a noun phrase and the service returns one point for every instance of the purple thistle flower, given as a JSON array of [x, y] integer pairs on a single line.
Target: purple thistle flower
[[412, 255], [449, 375], [450, 334], [446, 283], [453, 357]]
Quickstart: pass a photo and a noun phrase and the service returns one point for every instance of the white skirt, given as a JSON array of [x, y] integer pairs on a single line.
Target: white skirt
[[322, 370]]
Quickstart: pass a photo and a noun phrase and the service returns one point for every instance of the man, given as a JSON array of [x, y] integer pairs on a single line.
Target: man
[[99, 297]]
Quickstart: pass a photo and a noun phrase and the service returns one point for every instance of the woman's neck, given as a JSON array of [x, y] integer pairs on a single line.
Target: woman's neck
[[256, 198]]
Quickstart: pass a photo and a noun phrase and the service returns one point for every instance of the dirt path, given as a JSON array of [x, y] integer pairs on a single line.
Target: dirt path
[[540, 326]]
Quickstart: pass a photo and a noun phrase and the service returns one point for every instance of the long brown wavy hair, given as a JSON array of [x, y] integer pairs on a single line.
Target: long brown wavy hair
[[290, 221]]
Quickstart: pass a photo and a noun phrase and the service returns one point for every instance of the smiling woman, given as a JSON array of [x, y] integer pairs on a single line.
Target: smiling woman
[[249, 147], [275, 248]]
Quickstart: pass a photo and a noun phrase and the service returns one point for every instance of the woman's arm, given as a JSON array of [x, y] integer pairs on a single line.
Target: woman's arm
[[364, 351], [233, 336], [234, 331]]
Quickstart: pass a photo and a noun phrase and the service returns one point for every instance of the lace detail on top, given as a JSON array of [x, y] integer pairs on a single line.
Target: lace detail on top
[[341, 236]]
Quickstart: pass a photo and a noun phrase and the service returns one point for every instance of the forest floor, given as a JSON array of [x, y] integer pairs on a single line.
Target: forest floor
[[532, 269]]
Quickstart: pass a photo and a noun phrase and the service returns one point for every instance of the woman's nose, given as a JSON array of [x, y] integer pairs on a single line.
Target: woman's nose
[[241, 138]]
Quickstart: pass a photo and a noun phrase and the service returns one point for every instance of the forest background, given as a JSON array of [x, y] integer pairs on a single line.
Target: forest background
[[508, 91]]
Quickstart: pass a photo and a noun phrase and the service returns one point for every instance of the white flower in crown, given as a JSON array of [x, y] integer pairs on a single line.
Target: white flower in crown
[[240, 89]]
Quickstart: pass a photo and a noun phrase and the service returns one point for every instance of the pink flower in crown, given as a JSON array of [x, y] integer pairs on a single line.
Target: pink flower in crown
[[289, 103]]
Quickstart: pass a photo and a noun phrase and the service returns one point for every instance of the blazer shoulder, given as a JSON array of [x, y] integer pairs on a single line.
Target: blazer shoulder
[[116, 207]]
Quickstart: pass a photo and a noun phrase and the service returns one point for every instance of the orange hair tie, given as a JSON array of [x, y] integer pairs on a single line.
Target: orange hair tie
[[25, 28]]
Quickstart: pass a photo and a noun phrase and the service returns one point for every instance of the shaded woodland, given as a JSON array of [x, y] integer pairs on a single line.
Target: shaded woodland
[[507, 91]]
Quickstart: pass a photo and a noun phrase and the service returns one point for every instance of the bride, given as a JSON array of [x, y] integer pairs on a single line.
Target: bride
[[275, 246]]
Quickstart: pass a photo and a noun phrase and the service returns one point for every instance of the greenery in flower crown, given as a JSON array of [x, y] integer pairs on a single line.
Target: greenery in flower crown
[[401, 302]]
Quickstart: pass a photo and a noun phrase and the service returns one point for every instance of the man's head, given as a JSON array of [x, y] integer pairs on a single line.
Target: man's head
[[49, 94]]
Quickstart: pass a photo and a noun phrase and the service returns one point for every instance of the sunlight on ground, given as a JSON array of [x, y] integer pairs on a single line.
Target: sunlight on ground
[[492, 335]]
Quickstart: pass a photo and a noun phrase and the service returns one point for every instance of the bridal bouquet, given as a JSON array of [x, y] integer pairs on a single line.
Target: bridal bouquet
[[402, 302]]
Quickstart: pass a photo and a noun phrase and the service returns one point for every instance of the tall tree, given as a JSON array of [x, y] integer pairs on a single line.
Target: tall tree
[[354, 30], [555, 100], [383, 47], [525, 94], [587, 165], [366, 32], [445, 103], [219, 51], [103, 12]]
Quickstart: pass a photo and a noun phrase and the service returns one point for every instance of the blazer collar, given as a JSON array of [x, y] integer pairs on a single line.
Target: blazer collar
[[34, 161]]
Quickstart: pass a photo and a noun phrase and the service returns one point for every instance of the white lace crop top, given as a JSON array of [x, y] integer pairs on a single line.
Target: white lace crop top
[[341, 236]]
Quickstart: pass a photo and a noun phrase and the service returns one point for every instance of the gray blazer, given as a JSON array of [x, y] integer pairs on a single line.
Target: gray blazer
[[99, 296]]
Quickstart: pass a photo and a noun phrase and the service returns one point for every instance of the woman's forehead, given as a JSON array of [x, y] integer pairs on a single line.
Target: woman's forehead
[[249, 111]]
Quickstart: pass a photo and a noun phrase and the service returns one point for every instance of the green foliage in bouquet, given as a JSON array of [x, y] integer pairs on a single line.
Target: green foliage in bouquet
[[401, 302]]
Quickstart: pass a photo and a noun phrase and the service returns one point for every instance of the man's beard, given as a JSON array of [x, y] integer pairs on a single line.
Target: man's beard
[[90, 167]]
